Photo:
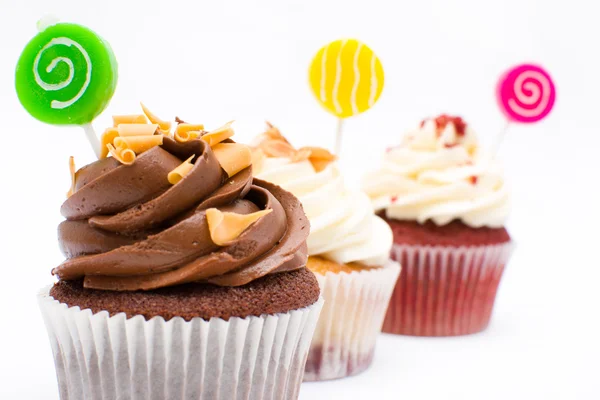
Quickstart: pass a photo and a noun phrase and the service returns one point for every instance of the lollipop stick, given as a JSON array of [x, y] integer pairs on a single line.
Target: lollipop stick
[[500, 138], [92, 138], [338, 136]]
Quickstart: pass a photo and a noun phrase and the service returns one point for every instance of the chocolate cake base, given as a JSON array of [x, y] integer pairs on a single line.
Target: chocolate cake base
[[272, 294], [455, 233]]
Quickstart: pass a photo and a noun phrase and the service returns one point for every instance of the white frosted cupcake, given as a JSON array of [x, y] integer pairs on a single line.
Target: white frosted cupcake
[[349, 248]]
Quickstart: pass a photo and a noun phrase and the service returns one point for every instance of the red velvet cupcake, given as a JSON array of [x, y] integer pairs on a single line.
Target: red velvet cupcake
[[447, 203]]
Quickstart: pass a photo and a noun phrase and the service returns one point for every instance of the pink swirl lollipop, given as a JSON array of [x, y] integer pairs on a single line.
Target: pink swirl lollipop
[[526, 93]]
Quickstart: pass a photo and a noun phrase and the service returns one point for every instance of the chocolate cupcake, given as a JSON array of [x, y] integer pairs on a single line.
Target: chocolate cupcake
[[348, 249], [184, 276], [446, 202]]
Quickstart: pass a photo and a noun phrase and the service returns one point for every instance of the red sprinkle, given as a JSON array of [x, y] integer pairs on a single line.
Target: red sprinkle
[[394, 199], [473, 180], [444, 119]]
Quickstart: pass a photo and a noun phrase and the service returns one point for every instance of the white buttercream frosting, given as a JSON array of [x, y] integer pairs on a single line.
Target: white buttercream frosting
[[343, 225], [439, 172]]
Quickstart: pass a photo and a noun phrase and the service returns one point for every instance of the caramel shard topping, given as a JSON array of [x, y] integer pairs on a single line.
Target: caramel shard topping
[[319, 153], [301, 155], [218, 135], [123, 155], [185, 132], [233, 157], [129, 139], [319, 157], [137, 129], [165, 126], [183, 137], [258, 160], [72, 171], [224, 227], [132, 135], [108, 136], [129, 119], [275, 148], [274, 144], [138, 144], [274, 133], [178, 173]]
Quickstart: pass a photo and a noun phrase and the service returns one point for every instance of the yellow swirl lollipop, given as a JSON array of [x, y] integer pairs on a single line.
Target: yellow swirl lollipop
[[346, 77]]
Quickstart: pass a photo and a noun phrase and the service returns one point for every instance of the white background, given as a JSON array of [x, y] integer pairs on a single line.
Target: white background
[[210, 62]]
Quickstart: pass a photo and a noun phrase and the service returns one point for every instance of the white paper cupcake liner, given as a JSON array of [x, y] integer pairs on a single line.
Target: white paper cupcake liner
[[108, 358], [355, 306], [445, 291]]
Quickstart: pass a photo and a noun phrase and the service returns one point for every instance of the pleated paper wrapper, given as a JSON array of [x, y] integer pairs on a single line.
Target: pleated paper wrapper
[[445, 291], [355, 306], [108, 358]]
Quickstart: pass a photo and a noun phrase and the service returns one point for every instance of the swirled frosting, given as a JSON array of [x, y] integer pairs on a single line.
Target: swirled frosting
[[344, 227], [128, 228], [439, 173]]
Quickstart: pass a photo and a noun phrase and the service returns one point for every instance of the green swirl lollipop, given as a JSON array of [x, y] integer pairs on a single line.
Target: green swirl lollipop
[[66, 75]]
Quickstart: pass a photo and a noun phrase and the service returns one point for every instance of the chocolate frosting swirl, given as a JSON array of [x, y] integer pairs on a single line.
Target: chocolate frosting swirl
[[128, 228]]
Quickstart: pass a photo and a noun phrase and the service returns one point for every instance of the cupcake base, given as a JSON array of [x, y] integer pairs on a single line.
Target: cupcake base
[[271, 294], [355, 305], [104, 357], [445, 291]]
